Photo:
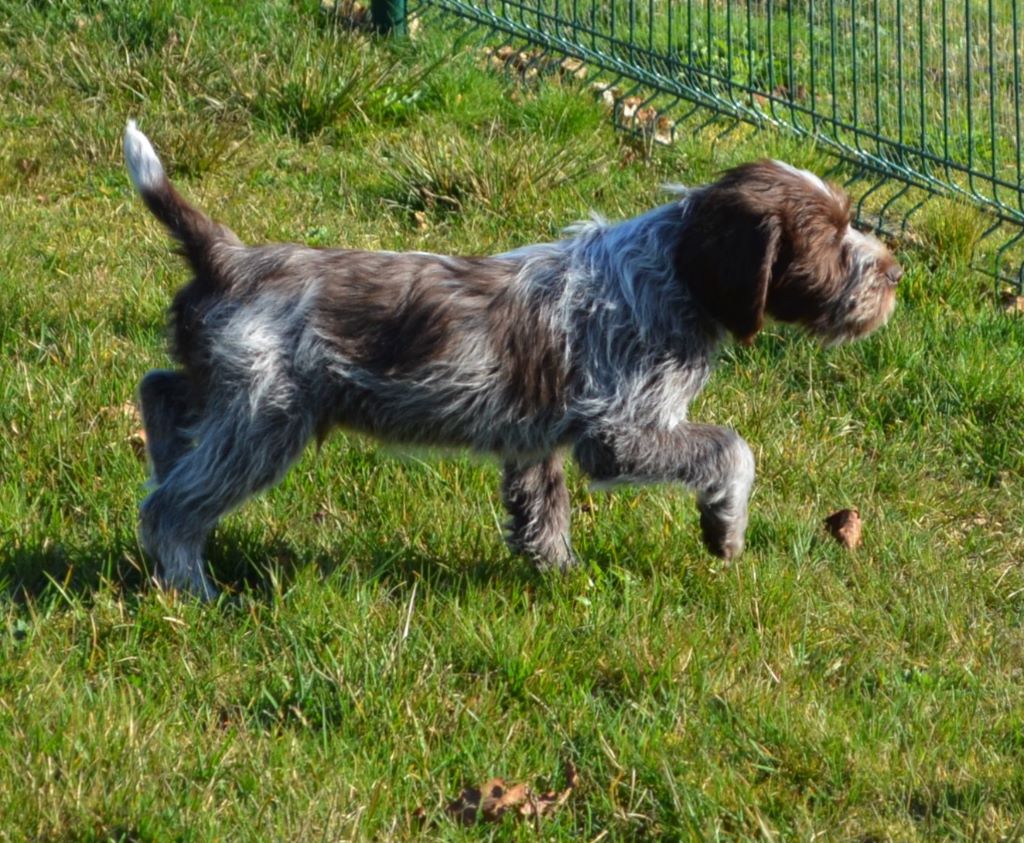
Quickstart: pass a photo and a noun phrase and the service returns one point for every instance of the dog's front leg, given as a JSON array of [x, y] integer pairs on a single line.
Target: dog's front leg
[[535, 496], [713, 461]]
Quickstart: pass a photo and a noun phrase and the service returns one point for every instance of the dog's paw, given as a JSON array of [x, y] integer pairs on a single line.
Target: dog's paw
[[191, 584], [723, 537], [561, 559]]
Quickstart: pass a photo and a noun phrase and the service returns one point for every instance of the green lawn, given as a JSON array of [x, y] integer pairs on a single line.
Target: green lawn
[[379, 649]]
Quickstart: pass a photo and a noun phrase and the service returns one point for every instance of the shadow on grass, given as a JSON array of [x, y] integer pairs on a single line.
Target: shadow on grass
[[264, 570], [242, 565], [39, 570]]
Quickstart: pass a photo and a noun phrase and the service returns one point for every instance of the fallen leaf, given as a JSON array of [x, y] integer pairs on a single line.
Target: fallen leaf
[[1012, 303], [137, 442], [606, 93], [128, 412], [492, 800], [547, 802], [665, 131], [799, 92], [845, 527], [629, 106], [499, 799], [465, 807], [348, 13], [573, 67]]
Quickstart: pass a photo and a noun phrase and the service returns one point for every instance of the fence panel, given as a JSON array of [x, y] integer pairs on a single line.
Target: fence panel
[[924, 92]]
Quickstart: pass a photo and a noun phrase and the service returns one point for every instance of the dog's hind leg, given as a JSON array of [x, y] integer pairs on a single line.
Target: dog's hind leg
[[538, 501], [238, 453], [168, 409], [713, 461]]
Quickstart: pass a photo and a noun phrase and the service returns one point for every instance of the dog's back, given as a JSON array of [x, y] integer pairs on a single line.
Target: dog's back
[[406, 346]]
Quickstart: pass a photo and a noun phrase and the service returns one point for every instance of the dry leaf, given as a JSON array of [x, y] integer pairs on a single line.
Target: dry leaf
[[629, 107], [137, 442], [547, 802], [573, 67], [137, 438], [845, 527], [466, 806], [129, 412], [348, 13], [605, 92], [786, 93], [487, 803], [491, 801], [664, 131], [1012, 303], [499, 799]]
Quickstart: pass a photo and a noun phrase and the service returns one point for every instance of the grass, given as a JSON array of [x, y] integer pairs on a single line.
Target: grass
[[381, 649]]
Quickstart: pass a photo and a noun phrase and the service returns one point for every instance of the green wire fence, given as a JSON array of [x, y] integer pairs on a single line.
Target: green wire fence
[[924, 95]]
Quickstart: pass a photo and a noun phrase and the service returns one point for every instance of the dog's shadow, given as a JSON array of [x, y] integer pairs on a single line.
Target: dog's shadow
[[264, 570], [259, 569]]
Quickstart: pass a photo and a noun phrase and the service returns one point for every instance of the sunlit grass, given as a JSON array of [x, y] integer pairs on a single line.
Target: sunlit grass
[[379, 648]]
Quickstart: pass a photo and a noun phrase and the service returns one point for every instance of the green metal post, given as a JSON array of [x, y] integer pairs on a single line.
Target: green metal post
[[388, 16]]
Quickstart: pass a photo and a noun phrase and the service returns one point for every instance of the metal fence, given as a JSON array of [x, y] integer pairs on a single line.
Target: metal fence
[[925, 95]]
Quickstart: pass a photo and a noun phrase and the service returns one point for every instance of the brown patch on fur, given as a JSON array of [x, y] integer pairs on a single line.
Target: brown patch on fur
[[533, 357], [392, 314]]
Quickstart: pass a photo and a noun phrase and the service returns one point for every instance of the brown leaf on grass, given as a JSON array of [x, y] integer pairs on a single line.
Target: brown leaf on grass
[[629, 106], [499, 799], [137, 438], [492, 800], [528, 63], [845, 527], [607, 93], [799, 92], [128, 413], [348, 13], [1012, 303], [665, 131], [137, 442], [573, 68], [487, 803], [466, 805], [550, 800]]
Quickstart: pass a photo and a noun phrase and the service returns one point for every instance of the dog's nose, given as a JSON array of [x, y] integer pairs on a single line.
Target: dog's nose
[[893, 274]]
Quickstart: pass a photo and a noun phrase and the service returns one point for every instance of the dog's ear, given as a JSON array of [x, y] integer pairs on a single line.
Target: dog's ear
[[728, 250]]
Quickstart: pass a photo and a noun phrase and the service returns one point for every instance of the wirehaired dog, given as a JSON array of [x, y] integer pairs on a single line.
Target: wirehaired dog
[[595, 343]]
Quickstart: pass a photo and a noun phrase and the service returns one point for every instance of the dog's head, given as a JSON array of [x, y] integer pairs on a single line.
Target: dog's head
[[769, 239]]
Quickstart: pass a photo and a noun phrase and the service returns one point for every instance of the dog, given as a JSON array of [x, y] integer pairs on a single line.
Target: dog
[[594, 344]]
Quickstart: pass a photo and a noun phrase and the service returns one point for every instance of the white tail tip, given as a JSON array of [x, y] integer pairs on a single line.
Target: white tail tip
[[145, 168]]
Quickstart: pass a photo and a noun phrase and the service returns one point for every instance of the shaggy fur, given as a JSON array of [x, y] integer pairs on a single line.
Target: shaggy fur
[[596, 343]]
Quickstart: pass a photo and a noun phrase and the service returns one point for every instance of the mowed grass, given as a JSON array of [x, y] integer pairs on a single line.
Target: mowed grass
[[379, 649]]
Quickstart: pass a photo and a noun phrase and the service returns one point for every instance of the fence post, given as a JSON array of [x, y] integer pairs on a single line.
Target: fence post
[[388, 17]]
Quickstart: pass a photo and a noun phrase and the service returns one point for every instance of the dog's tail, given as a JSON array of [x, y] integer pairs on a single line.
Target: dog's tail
[[197, 233]]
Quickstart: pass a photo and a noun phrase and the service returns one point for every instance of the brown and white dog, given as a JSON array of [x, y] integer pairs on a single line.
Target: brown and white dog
[[596, 343]]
